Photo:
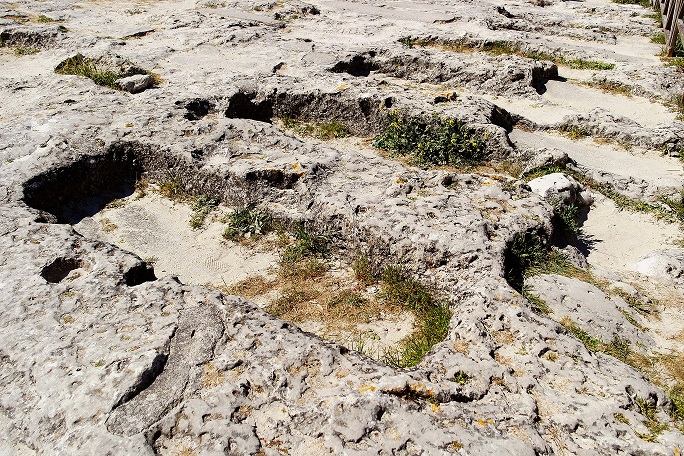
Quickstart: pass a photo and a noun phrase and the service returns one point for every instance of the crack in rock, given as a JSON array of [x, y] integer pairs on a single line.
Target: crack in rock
[[199, 329]]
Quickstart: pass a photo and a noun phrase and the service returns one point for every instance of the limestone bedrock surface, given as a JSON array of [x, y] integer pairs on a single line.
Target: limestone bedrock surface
[[100, 355]]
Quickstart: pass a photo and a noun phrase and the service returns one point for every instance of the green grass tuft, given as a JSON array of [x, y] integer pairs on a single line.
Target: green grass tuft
[[658, 38], [323, 130], [364, 270], [25, 51], [201, 208], [655, 427], [538, 304], [574, 132], [500, 47], [307, 244], [613, 87], [247, 222], [542, 171], [102, 75], [433, 317], [85, 66], [173, 189], [566, 214], [644, 3]]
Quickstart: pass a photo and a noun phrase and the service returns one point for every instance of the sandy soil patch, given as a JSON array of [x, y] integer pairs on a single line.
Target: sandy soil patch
[[617, 238]]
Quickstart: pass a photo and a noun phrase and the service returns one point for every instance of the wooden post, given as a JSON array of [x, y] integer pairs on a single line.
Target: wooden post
[[672, 23]]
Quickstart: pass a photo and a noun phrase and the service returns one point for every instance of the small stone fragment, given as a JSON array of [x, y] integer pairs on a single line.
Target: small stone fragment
[[136, 83]]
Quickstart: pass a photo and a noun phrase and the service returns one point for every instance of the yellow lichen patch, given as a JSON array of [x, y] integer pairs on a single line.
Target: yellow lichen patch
[[368, 387], [436, 408]]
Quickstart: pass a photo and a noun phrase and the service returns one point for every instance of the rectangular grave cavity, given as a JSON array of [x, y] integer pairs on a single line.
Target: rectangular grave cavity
[[185, 221]]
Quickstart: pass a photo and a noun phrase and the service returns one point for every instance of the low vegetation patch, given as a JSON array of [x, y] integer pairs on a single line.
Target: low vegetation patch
[[173, 189], [79, 65], [25, 50], [504, 47], [613, 87], [566, 215], [247, 223], [312, 289], [101, 74], [670, 209], [307, 245], [201, 208], [323, 130], [644, 3], [527, 255], [434, 142], [666, 371], [574, 132], [433, 317]]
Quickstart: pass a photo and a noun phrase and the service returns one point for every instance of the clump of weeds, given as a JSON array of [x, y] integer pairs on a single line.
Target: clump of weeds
[[438, 141], [247, 222], [201, 208]]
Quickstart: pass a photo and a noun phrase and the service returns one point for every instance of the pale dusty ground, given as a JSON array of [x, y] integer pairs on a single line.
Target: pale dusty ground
[[155, 228], [564, 98], [618, 238]]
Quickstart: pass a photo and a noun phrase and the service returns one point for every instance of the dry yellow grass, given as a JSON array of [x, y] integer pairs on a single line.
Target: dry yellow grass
[[250, 287]]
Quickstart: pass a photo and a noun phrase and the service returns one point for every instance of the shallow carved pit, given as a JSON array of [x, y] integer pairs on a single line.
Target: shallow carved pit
[[104, 199], [61, 268]]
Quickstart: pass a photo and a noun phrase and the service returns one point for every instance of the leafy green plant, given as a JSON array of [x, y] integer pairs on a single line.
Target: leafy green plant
[[436, 142], [247, 222], [461, 378], [201, 208]]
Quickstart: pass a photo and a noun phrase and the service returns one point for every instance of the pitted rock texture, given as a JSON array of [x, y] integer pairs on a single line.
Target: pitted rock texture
[[99, 355]]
